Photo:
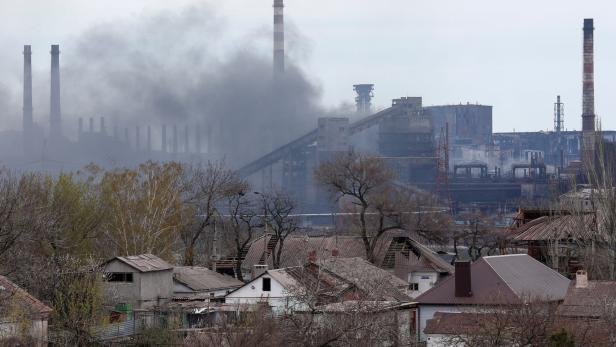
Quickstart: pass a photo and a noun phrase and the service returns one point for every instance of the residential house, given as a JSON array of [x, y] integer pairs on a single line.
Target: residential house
[[142, 281], [320, 283], [22, 315], [491, 282], [558, 238], [199, 283], [589, 311], [395, 251]]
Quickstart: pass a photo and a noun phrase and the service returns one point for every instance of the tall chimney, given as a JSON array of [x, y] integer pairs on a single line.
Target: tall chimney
[[28, 121], [91, 127], [558, 115], [198, 138], [55, 114], [175, 139], [149, 139], [164, 139], [103, 130], [588, 96], [80, 128], [137, 138], [278, 38], [463, 279], [186, 138]]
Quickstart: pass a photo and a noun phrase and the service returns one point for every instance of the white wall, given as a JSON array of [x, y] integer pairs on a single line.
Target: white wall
[[252, 293], [425, 279], [440, 340]]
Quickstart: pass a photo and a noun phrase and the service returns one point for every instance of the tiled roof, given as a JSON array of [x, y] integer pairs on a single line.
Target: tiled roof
[[588, 302], [504, 279], [145, 262], [203, 279], [10, 291]]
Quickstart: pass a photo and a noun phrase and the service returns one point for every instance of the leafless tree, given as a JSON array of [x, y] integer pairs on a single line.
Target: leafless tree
[[241, 221], [280, 219], [206, 187]]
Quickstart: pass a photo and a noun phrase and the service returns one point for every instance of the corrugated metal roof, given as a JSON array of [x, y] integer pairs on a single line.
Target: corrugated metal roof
[[563, 227], [145, 262], [503, 279], [203, 279]]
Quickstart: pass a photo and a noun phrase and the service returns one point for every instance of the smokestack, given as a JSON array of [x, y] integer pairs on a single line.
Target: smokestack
[[149, 144], [137, 138], [278, 38], [558, 115], [198, 138], [164, 139], [186, 138], [91, 127], [55, 115], [115, 132], [588, 95], [462, 279], [175, 139], [80, 127], [27, 102], [103, 129]]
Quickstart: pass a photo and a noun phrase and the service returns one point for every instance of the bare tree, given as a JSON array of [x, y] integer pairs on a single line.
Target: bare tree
[[241, 221], [206, 187], [279, 209]]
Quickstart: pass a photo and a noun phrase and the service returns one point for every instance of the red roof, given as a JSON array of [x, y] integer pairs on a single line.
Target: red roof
[[10, 291]]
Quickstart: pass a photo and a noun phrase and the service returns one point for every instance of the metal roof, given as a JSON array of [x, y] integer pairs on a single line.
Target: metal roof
[[562, 227], [203, 279], [503, 279], [145, 262]]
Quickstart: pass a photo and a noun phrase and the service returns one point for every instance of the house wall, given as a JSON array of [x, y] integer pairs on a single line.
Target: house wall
[[146, 290], [424, 279], [252, 293], [426, 312], [37, 331]]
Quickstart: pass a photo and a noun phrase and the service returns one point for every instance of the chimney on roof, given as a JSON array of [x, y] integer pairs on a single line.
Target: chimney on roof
[[581, 279], [463, 279], [335, 252]]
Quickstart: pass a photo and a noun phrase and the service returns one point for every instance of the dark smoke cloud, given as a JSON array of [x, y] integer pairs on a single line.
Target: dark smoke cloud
[[177, 68]]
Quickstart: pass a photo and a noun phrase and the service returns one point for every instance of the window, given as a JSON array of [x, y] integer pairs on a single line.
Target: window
[[267, 284], [414, 286], [126, 277], [211, 295]]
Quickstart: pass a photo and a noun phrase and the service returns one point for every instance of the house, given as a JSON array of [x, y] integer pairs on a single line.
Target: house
[[320, 283], [292, 288], [490, 282], [445, 327], [141, 281], [395, 251], [22, 314], [199, 283], [589, 311]]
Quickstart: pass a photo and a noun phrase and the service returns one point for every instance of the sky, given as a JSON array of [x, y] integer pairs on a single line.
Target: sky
[[514, 55]]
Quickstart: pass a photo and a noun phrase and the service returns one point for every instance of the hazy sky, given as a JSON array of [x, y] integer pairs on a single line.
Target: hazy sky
[[514, 55]]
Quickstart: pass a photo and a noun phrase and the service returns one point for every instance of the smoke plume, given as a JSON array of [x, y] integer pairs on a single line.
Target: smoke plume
[[177, 68]]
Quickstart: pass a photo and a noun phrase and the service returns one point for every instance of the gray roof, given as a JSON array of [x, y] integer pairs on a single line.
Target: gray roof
[[145, 262], [203, 279], [527, 276], [371, 279], [502, 279]]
